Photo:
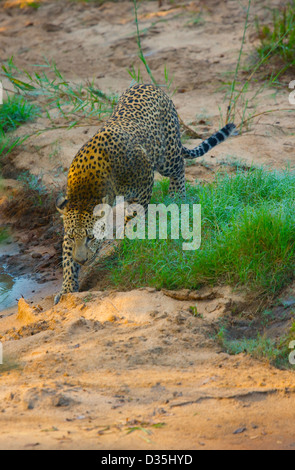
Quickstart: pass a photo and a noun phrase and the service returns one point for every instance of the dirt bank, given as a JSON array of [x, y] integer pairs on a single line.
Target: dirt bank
[[135, 370]]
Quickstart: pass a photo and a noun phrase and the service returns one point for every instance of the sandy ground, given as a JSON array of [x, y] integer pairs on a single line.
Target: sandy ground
[[136, 370]]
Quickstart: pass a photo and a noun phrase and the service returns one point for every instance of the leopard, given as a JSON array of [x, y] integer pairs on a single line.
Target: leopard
[[141, 136]]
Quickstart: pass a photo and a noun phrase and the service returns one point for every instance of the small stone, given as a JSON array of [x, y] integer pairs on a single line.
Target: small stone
[[240, 430]]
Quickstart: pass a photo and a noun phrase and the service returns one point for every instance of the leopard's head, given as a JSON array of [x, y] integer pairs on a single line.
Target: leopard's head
[[80, 231]]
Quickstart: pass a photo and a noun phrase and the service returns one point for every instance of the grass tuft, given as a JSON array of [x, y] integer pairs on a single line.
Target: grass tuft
[[280, 33], [15, 111], [274, 350]]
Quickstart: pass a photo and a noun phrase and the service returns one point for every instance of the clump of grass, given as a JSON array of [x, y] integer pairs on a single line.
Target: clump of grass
[[260, 347], [247, 238], [7, 144], [275, 351], [15, 111], [4, 234], [280, 33]]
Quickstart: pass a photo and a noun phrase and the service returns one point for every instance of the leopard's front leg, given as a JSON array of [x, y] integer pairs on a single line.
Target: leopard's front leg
[[70, 271]]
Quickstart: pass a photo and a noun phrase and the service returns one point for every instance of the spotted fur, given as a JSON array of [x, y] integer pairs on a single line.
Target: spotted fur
[[141, 136]]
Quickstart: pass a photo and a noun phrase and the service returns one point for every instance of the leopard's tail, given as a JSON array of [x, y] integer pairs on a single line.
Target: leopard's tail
[[206, 145]]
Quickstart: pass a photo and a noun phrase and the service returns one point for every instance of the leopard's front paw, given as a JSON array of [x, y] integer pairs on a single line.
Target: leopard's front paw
[[57, 297], [66, 290]]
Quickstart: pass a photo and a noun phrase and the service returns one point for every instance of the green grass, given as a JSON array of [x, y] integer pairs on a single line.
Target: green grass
[[15, 111], [276, 351], [7, 143], [248, 238], [280, 33], [4, 234], [260, 347]]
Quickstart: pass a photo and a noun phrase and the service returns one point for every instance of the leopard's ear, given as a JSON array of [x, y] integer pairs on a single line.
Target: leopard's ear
[[61, 203]]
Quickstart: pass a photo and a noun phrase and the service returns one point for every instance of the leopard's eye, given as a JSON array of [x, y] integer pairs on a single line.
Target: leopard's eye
[[70, 236], [90, 237]]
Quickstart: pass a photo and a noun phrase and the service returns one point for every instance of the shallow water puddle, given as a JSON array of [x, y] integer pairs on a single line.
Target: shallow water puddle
[[12, 288]]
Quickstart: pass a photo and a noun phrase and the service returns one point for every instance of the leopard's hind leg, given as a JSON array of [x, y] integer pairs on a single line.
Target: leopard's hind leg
[[173, 168]]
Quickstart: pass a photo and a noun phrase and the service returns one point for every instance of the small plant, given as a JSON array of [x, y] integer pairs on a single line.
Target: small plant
[[7, 144], [242, 98], [15, 111], [280, 33], [194, 311], [135, 74]]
